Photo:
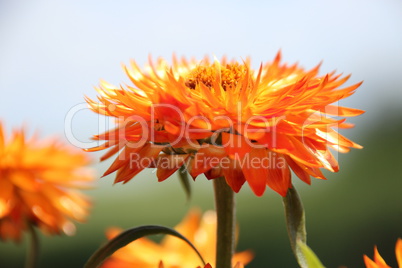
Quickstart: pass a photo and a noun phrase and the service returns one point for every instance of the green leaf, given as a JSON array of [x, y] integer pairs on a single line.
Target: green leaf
[[295, 221], [185, 181], [129, 236], [310, 257]]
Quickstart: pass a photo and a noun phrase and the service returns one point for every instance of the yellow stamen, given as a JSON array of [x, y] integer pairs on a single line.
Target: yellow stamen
[[231, 75]]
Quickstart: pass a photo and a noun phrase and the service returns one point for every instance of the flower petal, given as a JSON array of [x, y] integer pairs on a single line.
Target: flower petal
[[168, 164], [137, 162], [233, 173], [278, 174], [206, 158], [253, 170]]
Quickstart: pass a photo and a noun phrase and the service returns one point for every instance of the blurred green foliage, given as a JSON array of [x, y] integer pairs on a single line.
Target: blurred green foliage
[[346, 215]]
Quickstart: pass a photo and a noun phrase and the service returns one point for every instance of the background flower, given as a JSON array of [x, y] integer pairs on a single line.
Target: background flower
[[39, 182], [379, 261], [171, 251], [238, 265]]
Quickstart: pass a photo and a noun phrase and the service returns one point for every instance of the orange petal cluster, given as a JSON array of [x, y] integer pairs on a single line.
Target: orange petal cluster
[[379, 262], [222, 118], [172, 252], [39, 182]]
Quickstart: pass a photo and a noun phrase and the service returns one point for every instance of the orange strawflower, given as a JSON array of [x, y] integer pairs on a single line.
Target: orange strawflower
[[172, 252], [38, 186], [222, 118], [379, 261]]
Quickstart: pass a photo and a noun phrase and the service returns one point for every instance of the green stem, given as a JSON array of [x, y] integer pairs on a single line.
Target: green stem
[[226, 214], [33, 249]]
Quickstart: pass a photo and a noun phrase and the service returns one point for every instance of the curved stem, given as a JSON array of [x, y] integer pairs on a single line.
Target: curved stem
[[226, 214], [33, 248]]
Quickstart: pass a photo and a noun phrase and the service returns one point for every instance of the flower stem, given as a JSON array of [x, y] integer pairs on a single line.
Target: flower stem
[[226, 213], [33, 249]]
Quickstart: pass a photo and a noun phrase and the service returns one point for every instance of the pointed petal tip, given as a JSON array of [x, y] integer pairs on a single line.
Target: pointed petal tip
[[357, 146], [236, 190], [283, 194], [258, 191], [283, 191]]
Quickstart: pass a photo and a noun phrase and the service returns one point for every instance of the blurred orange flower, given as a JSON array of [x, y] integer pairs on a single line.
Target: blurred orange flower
[[172, 252], [38, 185], [238, 265], [223, 118], [379, 261]]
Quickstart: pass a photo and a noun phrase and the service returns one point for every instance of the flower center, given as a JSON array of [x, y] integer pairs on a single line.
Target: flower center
[[230, 74]]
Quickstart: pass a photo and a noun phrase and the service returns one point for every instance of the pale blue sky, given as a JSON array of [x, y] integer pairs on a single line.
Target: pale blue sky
[[54, 52]]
